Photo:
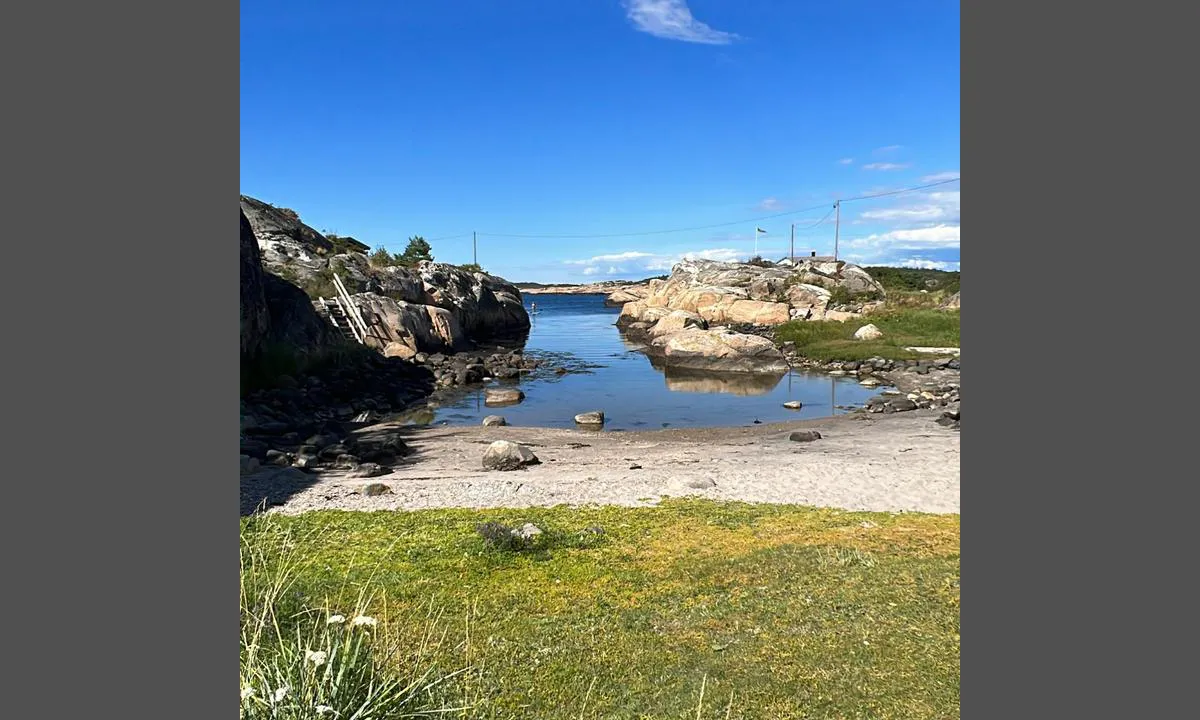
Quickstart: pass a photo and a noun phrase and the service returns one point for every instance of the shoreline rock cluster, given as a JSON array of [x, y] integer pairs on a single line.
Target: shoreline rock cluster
[[712, 315]]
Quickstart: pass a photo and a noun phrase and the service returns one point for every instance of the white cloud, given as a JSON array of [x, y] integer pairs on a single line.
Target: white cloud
[[672, 20], [618, 257], [722, 254], [936, 237], [939, 177], [924, 264], [845, 161], [887, 149], [639, 264], [930, 207], [770, 204], [885, 166]]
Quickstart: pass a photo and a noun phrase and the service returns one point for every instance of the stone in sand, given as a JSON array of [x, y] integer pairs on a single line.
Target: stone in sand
[[505, 455], [804, 436], [502, 396], [373, 489], [793, 404], [367, 470], [868, 332], [595, 417], [249, 465], [494, 421]]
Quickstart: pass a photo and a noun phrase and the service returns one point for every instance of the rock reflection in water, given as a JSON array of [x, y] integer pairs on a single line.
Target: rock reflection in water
[[698, 381]]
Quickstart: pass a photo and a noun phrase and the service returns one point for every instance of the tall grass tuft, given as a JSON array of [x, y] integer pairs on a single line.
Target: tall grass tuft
[[301, 661]]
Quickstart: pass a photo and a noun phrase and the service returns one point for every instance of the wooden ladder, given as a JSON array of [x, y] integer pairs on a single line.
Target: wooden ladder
[[344, 314]]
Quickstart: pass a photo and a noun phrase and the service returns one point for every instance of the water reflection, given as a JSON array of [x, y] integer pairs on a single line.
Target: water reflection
[[697, 381]]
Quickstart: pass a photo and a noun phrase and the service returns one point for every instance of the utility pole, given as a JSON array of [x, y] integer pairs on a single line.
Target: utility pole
[[793, 251], [474, 249], [837, 226]]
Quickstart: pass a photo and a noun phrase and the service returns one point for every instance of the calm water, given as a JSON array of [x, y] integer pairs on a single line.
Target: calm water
[[632, 393]]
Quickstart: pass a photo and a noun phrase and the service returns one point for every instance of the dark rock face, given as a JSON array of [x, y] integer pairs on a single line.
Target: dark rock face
[[294, 322], [256, 320]]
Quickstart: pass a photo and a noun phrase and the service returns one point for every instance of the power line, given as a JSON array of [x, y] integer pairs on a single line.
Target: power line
[[897, 192], [662, 232], [701, 227]]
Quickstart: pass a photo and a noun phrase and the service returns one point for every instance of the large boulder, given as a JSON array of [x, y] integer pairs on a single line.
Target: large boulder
[[718, 350], [423, 328], [505, 455]]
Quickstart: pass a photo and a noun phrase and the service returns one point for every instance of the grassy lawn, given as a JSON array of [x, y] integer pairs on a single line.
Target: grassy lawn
[[901, 327], [694, 609]]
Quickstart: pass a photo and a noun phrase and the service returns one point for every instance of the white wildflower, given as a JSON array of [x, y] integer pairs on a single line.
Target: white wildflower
[[335, 620], [364, 620], [316, 657], [247, 692], [323, 710], [281, 693]]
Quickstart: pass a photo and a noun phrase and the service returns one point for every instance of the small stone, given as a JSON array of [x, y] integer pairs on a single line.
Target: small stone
[[701, 483], [505, 455], [868, 332], [869, 381], [373, 489], [502, 396], [367, 470], [793, 404], [494, 421], [332, 452], [594, 417], [527, 532], [838, 373], [635, 466], [804, 436], [902, 405]]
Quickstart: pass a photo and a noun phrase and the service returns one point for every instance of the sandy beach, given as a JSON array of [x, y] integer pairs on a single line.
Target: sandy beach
[[893, 462]]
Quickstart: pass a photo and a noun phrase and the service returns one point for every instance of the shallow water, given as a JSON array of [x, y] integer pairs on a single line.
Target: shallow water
[[633, 393]]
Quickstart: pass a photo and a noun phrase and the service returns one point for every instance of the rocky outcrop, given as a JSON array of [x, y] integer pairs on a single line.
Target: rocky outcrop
[[740, 293], [627, 294], [684, 319], [433, 307], [487, 307], [952, 302], [274, 313], [256, 319]]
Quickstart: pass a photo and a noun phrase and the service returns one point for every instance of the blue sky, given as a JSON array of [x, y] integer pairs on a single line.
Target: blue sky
[[615, 118]]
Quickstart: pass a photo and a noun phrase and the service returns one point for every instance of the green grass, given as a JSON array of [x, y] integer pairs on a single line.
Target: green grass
[[904, 327], [694, 609]]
